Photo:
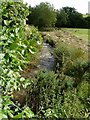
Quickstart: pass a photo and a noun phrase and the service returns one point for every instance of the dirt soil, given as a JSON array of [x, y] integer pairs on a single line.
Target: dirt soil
[[67, 37]]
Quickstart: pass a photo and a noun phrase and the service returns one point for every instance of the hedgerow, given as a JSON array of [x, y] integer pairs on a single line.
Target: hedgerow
[[16, 48]]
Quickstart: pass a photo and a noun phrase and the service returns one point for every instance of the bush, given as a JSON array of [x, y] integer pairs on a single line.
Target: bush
[[15, 55], [61, 54], [83, 90], [43, 92], [78, 69], [32, 34], [72, 107], [51, 97], [70, 60], [48, 39]]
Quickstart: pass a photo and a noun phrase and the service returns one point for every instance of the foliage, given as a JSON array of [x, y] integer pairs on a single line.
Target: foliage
[[11, 110], [49, 95], [52, 97], [16, 47], [62, 19], [35, 40], [44, 94], [87, 19], [48, 39], [71, 60], [83, 90], [69, 17], [43, 15], [72, 106], [43, 90], [47, 29]]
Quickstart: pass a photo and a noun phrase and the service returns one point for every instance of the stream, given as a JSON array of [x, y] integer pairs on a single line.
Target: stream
[[47, 61]]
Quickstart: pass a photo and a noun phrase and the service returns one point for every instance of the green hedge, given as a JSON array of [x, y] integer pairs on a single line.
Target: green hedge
[[16, 49]]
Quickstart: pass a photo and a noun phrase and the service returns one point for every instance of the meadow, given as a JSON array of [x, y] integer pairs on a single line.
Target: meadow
[[80, 33]]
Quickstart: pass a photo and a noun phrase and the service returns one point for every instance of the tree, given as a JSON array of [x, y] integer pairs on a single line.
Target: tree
[[87, 19], [62, 19], [43, 15], [69, 17]]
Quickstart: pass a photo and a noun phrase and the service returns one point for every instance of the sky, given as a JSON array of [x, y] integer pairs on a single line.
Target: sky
[[80, 5]]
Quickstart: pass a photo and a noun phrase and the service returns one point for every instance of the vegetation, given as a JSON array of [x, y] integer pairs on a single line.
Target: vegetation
[[80, 33], [16, 45], [71, 61], [52, 96], [69, 17], [42, 15], [72, 71], [61, 93]]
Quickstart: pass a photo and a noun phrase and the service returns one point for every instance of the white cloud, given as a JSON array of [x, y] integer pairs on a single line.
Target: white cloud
[[80, 5]]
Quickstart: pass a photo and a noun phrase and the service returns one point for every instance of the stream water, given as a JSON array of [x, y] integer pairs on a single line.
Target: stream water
[[47, 60]]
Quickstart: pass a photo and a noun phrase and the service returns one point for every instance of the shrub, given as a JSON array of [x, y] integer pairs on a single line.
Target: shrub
[[72, 107], [32, 34], [44, 88], [51, 97], [61, 54], [83, 90], [70, 60], [47, 29], [48, 39], [15, 55]]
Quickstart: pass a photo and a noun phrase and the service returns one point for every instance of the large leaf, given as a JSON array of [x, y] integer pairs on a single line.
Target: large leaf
[[2, 115], [28, 112], [13, 46]]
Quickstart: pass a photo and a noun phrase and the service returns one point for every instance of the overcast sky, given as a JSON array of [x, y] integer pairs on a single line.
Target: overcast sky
[[80, 5]]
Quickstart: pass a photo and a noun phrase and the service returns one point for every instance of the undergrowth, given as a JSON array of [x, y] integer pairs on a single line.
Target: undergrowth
[[51, 96]]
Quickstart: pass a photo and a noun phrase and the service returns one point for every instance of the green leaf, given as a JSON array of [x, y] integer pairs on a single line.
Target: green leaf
[[28, 112], [5, 22], [10, 113], [6, 56], [1, 56], [13, 46], [2, 115], [19, 115], [2, 43]]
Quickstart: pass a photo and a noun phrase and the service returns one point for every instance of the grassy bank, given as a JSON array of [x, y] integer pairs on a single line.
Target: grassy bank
[[80, 33]]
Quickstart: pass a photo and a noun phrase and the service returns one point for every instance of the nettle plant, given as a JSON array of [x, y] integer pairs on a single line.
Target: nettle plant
[[14, 55]]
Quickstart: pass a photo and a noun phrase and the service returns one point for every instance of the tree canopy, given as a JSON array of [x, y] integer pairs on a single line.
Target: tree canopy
[[69, 17], [43, 15]]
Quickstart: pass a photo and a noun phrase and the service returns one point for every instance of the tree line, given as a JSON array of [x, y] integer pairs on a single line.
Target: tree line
[[44, 15]]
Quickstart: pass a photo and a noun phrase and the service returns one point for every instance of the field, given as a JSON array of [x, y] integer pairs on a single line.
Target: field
[[80, 33]]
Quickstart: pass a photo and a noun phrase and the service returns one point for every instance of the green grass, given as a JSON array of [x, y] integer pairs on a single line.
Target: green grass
[[80, 33]]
